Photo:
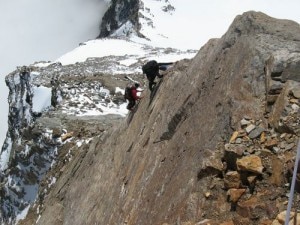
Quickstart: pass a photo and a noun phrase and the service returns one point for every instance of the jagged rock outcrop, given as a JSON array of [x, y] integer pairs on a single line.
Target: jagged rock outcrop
[[120, 14], [214, 144], [127, 18]]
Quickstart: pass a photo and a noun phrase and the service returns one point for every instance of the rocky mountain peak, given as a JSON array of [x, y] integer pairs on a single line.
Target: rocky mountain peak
[[214, 143], [133, 18], [120, 14], [259, 23]]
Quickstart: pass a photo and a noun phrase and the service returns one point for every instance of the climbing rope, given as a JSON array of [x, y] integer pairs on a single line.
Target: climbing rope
[[291, 196]]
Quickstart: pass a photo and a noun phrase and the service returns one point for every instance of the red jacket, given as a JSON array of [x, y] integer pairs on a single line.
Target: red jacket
[[134, 92]]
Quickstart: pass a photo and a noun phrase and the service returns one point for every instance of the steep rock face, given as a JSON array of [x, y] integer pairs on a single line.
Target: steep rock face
[[22, 162], [206, 147]]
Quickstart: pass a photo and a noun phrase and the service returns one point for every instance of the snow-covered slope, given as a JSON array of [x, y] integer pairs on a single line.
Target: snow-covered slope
[[130, 50], [155, 36]]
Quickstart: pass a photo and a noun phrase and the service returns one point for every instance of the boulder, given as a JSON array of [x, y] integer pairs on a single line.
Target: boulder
[[235, 194], [232, 179], [251, 163]]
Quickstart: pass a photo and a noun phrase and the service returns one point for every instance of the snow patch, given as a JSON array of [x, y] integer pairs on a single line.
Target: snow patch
[[41, 98], [118, 47], [22, 214], [4, 156]]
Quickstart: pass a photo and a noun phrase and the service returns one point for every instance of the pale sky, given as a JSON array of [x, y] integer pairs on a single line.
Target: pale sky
[[34, 30]]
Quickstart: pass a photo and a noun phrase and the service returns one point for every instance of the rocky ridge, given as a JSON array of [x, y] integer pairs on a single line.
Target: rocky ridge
[[215, 144]]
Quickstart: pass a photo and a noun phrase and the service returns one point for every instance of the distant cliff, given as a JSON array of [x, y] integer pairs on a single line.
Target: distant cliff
[[214, 144], [127, 18], [120, 14]]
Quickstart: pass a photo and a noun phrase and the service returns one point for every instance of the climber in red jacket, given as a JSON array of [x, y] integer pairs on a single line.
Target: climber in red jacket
[[131, 95]]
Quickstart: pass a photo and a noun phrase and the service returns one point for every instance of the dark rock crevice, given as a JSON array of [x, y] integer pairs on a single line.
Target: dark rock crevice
[[179, 117]]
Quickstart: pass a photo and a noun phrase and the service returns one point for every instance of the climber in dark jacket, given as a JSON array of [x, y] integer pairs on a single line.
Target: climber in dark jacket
[[151, 69]]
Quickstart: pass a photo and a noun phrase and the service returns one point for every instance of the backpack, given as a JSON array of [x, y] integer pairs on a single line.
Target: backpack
[[127, 94], [150, 68]]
